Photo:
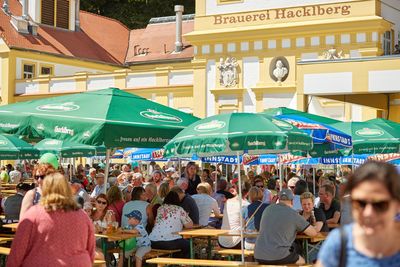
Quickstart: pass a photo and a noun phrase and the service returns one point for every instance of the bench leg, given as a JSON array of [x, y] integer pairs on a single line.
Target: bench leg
[[191, 248], [209, 247]]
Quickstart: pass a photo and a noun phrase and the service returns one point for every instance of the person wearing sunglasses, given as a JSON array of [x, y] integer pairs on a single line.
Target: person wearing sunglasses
[[32, 197], [373, 239]]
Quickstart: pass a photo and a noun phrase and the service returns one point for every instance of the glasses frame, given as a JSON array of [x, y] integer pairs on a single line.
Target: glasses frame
[[381, 206]]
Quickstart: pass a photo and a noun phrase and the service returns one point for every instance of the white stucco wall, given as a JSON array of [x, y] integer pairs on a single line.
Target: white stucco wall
[[34, 10], [141, 80], [384, 81], [251, 76], [391, 12], [288, 100], [211, 82], [27, 88], [212, 7], [57, 86], [59, 69], [100, 83], [328, 83], [181, 78]]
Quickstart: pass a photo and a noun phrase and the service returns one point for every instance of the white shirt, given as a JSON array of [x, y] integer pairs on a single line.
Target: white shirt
[[15, 176], [231, 221], [206, 204], [82, 193]]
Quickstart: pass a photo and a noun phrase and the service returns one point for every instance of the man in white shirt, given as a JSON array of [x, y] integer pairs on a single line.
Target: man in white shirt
[[205, 203], [99, 189], [15, 175]]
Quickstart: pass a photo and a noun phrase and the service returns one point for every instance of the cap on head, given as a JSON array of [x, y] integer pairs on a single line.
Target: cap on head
[[170, 169], [286, 194], [23, 187], [49, 158], [134, 214]]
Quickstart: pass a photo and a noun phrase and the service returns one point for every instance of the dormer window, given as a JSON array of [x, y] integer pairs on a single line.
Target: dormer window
[[55, 13]]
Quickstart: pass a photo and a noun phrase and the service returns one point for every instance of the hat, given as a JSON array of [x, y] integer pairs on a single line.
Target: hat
[[49, 158], [170, 169], [286, 194], [23, 186], [134, 214], [76, 181], [92, 170]]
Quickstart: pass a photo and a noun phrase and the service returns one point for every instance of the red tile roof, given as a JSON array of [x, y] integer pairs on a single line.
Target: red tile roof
[[154, 37], [100, 39]]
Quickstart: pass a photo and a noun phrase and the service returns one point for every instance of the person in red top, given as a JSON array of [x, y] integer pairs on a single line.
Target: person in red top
[[54, 233], [116, 203]]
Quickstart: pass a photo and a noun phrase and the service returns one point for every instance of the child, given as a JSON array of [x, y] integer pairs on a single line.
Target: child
[[143, 244]]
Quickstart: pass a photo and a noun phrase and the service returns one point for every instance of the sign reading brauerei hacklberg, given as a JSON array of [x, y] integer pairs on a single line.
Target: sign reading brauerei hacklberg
[[267, 14]]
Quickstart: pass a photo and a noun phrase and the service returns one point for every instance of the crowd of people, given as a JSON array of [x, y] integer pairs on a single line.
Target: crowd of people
[[159, 205]]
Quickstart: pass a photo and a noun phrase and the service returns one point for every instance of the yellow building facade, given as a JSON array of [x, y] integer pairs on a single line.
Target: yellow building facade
[[329, 57]]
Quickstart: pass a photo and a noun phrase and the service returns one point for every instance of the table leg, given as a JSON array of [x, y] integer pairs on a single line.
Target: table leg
[[191, 248], [305, 245], [104, 246], [209, 247]]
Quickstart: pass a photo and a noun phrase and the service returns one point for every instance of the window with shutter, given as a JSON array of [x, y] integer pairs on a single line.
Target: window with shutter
[[63, 14], [55, 13], [48, 12]]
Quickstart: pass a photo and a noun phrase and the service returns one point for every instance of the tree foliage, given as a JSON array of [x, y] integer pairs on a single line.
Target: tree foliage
[[136, 13]]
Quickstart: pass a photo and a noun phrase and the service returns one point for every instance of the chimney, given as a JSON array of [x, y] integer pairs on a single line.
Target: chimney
[[25, 9], [77, 9], [178, 43]]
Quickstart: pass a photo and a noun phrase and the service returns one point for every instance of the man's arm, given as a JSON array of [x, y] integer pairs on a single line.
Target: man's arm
[[310, 231]]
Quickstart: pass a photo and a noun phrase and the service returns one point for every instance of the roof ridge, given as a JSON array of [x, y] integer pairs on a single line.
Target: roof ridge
[[108, 18]]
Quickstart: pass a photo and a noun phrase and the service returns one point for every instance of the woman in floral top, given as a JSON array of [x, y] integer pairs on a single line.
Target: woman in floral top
[[171, 219]]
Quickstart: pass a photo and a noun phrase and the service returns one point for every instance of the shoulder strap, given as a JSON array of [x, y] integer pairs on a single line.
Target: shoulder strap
[[343, 249], [251, 217]]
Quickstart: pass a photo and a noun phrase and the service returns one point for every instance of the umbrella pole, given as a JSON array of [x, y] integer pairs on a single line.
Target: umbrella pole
[[280, 175], [108, 152], [313, 179], [240, 205]]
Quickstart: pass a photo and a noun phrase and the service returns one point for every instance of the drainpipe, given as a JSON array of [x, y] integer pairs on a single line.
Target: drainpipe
[[178, 44], [77, 9], [25, 9]]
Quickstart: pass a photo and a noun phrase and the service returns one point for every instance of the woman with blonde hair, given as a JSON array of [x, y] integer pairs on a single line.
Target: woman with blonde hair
[[315, 216], [205, 203], [56, 232], [163, 190], [115, 202], [252, 214]]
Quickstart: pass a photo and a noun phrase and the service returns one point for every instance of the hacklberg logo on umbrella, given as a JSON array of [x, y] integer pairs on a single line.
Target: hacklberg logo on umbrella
[[160, 116], [210, 126], [368, 132], [68, 106]]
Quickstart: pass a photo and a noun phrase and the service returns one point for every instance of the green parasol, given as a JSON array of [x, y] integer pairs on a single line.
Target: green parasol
[[65, 149], [227, 134], [370, 137], [11, 147], [111, 117]]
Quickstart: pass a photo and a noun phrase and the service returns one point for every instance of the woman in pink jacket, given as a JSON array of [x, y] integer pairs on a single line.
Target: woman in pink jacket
[[55, 232]]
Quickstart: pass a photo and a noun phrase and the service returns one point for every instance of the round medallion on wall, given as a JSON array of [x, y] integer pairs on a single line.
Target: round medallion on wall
[[279, 69]]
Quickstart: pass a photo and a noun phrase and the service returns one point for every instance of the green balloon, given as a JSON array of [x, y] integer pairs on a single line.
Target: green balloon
[[50, 159], [130, 244]]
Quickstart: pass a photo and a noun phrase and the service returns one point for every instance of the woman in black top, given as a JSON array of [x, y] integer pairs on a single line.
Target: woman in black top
[[314, 216]]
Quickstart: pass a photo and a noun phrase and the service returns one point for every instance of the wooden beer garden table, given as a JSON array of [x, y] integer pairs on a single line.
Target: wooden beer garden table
[[204, 232]]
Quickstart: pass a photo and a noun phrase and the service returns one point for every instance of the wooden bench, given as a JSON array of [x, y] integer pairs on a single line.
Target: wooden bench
[[193, 262], [5, 251], [230, 253], [155, 253], [99, 263], [218, 263]]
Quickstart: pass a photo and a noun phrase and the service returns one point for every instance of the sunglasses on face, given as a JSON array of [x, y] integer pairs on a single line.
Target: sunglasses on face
[[36, 177], [378, 206], [260, 186], [101, 202]]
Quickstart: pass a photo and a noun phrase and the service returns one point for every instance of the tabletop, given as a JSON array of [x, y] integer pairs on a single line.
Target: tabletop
[[201, 232], [11, 225], [117, 236], [319, 237]]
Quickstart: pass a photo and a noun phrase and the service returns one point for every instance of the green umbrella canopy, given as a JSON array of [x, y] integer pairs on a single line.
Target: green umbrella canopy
[[11, 147], [65, 149], [371, 138], [111, 117], [228, 134]]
